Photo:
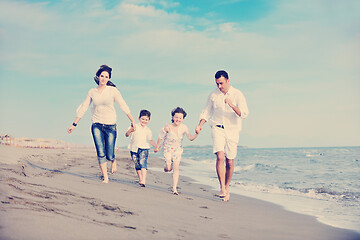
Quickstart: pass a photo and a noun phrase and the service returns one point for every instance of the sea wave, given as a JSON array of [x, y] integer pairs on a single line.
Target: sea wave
[[321, 193]]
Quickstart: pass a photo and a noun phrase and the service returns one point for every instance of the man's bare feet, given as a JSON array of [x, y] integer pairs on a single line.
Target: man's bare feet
[[227, 196], [113, 167], [222, 193]]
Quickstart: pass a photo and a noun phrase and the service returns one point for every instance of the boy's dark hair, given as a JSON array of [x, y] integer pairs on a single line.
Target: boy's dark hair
[[178, 110], [144, 113], [220, 73]]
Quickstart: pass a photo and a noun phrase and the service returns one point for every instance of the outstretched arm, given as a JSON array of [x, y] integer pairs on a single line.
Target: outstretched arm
[[128, 132], [72, 127], [132, 121], [153, 143], [191, 137], [156, 148], [80, 111]]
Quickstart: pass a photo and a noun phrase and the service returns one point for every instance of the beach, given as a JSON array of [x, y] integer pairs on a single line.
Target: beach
[[59, 194]]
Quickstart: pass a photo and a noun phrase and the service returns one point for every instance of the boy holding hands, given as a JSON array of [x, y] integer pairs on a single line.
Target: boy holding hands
[[140, 137]]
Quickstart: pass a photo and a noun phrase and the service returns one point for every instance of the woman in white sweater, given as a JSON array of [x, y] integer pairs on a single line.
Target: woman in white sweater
[[103, 117]]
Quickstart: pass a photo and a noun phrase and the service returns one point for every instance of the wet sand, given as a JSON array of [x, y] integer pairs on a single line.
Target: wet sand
[[59, 194]]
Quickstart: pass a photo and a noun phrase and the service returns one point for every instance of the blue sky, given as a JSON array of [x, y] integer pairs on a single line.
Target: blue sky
[[297, 63]]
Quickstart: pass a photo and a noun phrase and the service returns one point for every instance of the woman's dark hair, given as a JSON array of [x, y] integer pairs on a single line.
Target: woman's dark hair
[[107, 69], [220, 73], [177, 110], [144, 113]]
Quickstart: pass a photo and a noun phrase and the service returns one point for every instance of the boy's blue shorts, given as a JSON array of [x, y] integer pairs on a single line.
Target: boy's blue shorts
[[140, 158]]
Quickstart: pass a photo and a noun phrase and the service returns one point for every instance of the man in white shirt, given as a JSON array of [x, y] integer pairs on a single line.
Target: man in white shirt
[[224, 110]]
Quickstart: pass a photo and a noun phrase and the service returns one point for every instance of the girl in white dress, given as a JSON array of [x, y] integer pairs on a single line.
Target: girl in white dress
[[173, 135]]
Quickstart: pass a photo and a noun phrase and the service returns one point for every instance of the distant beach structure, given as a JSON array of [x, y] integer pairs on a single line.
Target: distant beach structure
[[36, 142]]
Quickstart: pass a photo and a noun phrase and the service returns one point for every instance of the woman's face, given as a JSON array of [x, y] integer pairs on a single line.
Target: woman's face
[[103, 78]]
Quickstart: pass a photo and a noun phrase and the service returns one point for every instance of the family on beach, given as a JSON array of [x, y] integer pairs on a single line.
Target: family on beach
[[225, 108]]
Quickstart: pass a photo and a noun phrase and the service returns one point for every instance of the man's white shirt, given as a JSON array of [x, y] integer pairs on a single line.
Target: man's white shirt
[[217, 112]]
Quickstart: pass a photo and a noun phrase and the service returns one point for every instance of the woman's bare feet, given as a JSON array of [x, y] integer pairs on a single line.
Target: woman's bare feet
[[113, 167]]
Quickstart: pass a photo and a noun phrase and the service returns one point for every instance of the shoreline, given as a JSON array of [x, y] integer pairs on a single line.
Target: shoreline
[[58, 193], [292, 203], [330, 206]]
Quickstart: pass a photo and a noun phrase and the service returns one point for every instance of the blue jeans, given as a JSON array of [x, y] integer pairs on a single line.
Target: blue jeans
[[104, 139], [140, 158]]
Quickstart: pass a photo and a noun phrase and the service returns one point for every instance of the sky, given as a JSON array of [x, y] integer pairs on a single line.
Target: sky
[[296, 62]]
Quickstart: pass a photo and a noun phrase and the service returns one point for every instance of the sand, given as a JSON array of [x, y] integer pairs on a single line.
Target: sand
[[59, 194]]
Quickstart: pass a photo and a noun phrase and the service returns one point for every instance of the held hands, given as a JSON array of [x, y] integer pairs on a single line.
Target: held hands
[[156, 149], [70, 129], [132, 129], [198, 129]]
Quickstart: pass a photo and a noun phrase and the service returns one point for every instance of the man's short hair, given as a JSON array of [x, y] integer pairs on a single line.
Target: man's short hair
[[220, 74]]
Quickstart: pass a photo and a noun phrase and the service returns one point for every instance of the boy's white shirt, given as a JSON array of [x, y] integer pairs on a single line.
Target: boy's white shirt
[[140, 138]]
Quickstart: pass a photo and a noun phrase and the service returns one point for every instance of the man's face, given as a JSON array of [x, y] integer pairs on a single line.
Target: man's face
[[223, 84]]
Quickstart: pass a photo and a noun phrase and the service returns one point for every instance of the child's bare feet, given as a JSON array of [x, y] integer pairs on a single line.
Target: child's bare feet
[[175, 192], [113, 167], [106, 180]]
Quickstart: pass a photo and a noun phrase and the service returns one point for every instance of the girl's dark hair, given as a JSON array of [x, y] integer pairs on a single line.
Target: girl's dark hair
[[177, 110], [144, 113], [107, 69]]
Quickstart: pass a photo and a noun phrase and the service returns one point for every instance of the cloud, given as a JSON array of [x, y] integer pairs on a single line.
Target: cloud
[[299, 48]]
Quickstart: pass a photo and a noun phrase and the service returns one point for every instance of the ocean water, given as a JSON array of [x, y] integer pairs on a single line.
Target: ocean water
[[322, 182]]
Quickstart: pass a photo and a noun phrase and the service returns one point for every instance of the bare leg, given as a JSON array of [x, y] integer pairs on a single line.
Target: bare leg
[[113, 167], [175, 176], [220, 169], [228, 176], [103, 168], [143, 176], [139, 175], [168, 166]]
